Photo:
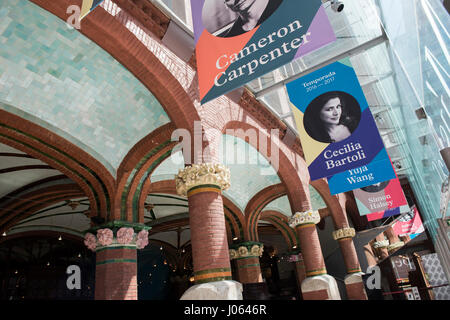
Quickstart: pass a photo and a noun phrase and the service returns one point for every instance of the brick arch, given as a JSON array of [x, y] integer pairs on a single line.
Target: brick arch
[[133, 174], [237, 225], [29, 203], [291, 174], [92, 177], [281, 222], [232, 213], [256, 205], [333, 202], [110, 34], [42, 233]]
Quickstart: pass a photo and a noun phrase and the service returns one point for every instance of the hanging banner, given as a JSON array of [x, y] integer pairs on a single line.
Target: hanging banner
[[240, 40], [388, 213], [336, 127], [88, 6], [409, 223], [381, 196], [377, 171]]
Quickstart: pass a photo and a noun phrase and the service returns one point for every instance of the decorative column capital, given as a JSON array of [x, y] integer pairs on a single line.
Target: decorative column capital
[[343, 233], [303, 218], [213, 174], [295, 257], [395, 245], [381, 244], [246, 250], [117, 234]]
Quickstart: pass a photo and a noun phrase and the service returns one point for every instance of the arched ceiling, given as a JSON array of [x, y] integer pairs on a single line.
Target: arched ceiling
[[20, 175], [250, 171], [61, 80], [18, 169]]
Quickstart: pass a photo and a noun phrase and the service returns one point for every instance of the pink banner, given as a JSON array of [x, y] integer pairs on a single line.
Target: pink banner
[[409, 223]]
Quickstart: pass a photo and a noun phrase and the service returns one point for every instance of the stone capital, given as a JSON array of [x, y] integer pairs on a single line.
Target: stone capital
[[381, 244], [246, 250], [395, 245], [117, 234], [302, 218], [204, 174], [343, 233]]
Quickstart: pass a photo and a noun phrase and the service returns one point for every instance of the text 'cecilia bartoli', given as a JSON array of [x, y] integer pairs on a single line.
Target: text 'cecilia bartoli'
[[348, 153]]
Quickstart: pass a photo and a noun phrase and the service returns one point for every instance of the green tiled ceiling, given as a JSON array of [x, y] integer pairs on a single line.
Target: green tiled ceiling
[[282, 204], [57, 75]]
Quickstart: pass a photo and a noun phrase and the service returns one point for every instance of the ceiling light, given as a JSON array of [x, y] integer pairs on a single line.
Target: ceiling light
[[4, 234], [60, 238]]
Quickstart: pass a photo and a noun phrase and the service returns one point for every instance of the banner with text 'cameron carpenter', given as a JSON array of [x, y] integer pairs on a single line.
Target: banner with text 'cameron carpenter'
[[336, 127], [240, 40]]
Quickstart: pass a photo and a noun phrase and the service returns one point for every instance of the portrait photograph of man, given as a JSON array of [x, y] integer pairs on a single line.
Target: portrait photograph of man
[[230, 18]]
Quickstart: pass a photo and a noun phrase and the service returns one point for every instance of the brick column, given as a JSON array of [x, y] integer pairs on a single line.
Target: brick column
[[246, 256], [381, 245], [394, 241], [299, 268], [116, 273], [370, 256], [353, 281], [405, 239], [202, 184], [115, 245], [318, 285]]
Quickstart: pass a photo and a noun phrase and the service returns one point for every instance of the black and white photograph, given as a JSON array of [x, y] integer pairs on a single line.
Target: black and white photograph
[[376, 187], [230, 18], [332, 117]]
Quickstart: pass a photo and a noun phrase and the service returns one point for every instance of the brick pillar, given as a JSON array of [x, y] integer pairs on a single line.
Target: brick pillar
[[394, 241], [405, 239], [115, 245], [208, 235], [246, 256], [202, 184], [318, 285], [370, 256], [116, 273], [299, 268], [381, 245], [353, 281]]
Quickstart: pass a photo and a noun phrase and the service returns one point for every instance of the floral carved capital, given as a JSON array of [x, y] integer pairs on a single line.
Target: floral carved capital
[[381, 244], [117, 234], [395, 245], [307, 217], [246, 250], [344, 233], [202, 174]]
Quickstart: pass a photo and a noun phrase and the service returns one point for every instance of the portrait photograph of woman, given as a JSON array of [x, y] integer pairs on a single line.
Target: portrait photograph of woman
[[332, 117], [376, 187], [230, 18]]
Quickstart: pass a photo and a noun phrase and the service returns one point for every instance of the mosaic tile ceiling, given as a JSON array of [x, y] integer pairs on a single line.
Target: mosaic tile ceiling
[[55, 74]]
